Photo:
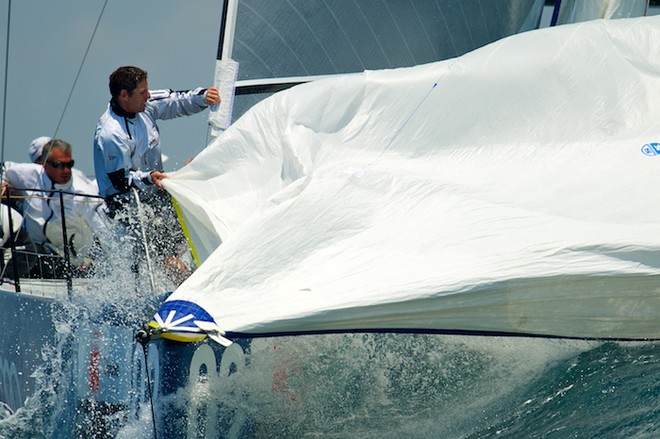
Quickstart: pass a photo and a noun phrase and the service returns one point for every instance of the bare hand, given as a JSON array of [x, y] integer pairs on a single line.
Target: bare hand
[[5, 189], [212, 96], [157, 178]]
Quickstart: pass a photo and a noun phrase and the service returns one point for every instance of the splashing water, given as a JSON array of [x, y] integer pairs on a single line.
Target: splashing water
[[429, 386], [87, 361], [330, 386]]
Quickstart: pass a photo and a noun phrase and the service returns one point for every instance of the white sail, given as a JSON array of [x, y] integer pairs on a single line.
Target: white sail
[[509, 190]]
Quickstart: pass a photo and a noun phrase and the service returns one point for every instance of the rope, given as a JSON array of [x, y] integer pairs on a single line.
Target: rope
[[143, 338], [140, 215]]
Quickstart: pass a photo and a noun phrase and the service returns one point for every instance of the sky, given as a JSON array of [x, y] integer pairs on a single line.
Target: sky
[[174, 40]]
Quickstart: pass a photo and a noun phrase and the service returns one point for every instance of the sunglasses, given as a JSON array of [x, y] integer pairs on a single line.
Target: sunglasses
[[61, 165]]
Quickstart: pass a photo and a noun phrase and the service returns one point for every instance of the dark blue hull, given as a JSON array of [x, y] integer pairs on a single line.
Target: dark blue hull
[[89, 379]]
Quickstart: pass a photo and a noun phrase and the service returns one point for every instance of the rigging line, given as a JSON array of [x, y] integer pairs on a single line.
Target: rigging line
[[141, 215], [4, 94], [75, 81], [82, 63]]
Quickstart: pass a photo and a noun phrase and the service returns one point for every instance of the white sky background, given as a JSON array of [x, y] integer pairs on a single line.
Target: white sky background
[[175, 41]]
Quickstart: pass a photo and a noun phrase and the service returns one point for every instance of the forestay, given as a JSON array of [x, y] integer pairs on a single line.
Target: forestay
[[510, 190]]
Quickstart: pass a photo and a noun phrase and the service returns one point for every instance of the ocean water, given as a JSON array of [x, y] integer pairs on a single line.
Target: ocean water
[[430, 386], [363, 386]]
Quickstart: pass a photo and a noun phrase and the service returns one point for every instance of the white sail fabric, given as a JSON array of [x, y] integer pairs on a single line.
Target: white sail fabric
[[512, 189]]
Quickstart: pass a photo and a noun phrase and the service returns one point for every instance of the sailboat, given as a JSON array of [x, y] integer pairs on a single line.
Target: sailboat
[[316, 158]]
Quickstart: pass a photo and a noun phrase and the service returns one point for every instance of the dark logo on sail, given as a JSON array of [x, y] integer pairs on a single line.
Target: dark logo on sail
[[651, 149]]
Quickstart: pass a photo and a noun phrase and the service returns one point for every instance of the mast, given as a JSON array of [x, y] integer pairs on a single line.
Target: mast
[[227, 27]]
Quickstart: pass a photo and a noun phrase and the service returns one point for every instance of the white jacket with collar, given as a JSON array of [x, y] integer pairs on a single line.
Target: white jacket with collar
[[130, 142], [85, 216]]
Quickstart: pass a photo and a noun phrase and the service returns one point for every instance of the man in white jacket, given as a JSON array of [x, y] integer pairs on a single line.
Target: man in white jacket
[[127, 156], [42, 186], [127, 151]]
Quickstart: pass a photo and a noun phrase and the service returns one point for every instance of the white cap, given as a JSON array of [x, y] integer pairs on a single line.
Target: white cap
[[36, 147]]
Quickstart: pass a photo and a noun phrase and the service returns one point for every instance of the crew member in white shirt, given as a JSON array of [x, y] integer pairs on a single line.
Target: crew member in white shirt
[[84, 211]]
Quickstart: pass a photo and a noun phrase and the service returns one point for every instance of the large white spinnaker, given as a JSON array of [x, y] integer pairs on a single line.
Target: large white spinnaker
[[511, 190]]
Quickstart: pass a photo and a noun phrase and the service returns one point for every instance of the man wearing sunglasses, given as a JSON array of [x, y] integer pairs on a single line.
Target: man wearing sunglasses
[[42, 185]]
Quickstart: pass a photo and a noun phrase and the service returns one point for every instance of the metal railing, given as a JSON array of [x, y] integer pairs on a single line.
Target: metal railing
[[28, 255]]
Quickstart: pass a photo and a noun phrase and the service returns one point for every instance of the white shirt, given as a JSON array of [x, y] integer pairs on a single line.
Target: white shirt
[[131, 142], [85, 216]]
